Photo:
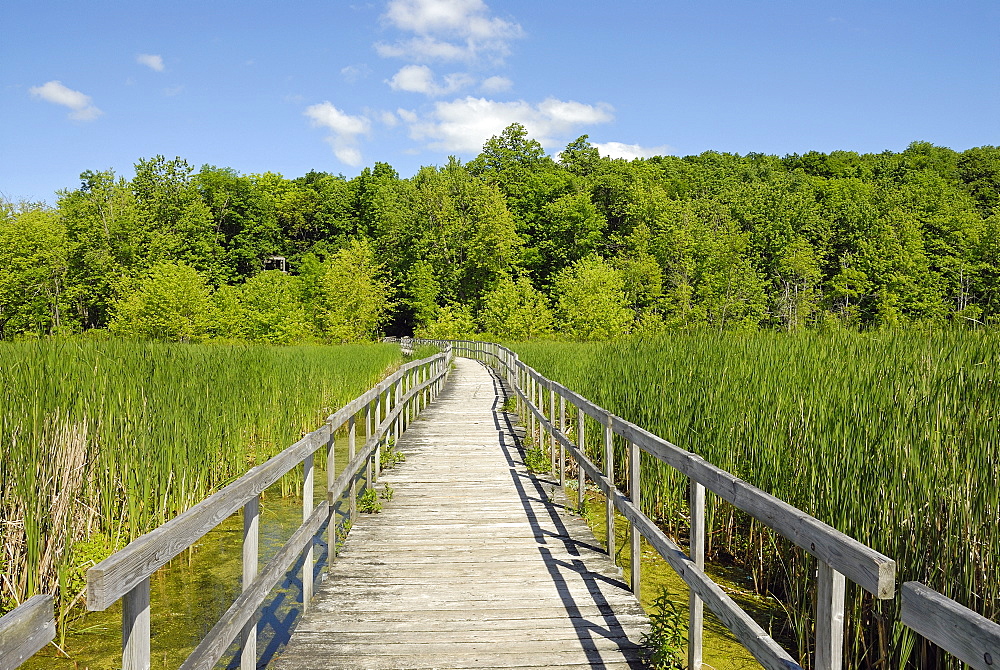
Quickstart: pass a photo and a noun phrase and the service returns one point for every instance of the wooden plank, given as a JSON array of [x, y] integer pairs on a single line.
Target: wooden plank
[[211, 649], [970, 637], [696, 610], [26, 629], [251, 560], [470, 544]]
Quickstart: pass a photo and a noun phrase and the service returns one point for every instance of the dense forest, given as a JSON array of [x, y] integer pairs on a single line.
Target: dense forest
[[512, 244]]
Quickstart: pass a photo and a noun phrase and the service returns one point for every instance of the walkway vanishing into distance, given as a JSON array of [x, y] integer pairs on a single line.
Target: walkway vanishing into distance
[[472, 564]]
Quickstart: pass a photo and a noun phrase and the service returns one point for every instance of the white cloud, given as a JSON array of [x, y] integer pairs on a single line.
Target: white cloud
[[347, 155], [447, 30], [152, 61], [388, 119], [56, 93], [464, 125], [495, 85], [422, 49], [172, 91], [630, 151], [352, 73], [420, 79], [407, 115], [345, 130]]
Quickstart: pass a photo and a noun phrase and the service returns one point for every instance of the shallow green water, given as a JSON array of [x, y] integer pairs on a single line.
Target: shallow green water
[[191, 593]]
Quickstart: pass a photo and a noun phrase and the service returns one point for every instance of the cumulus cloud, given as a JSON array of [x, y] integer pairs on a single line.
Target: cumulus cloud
[[463, 125], [152, 61], [447, 30], [56, 93], [420, 79], [630, 151], [496, 85], [345, 130]]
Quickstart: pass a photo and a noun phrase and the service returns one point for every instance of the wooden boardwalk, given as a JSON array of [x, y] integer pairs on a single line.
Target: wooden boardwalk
[[472, 564]]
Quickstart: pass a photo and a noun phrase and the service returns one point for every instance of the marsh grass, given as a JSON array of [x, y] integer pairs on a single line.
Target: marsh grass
[[891, 437], [104, 441]]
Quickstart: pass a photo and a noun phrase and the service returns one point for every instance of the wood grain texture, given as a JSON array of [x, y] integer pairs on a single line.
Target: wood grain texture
[[472, 563], [970, 637], [26, 629]]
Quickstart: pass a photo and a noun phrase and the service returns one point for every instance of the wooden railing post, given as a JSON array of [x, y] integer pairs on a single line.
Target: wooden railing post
[[635, 494], [609, 473], [251, 535], [562, 448], [135, 627], [581, 476], [552, 424], [351, 451], [830, 593], [397, 424], [696, 547], [308, 473], [531, 414], [331, 478]]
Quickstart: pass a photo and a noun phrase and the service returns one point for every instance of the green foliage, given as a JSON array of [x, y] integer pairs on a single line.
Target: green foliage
[[390, 456], [387, 492], [352, 300], [33, 264], [728, 241], [536, 460], [590, 301], [454, 322], [368, 502], [170, 303], [515, 310], [268, 308], [667, 637]]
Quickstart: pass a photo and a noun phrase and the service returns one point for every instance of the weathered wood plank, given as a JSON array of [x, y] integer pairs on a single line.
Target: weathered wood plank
[[520, 572], [969, 636], [26, 629]]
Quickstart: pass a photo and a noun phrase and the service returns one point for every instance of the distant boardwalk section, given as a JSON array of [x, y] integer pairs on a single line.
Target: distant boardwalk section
[[470, 565]]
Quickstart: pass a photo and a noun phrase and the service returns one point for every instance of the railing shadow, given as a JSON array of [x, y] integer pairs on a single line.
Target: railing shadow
[[538, 507]]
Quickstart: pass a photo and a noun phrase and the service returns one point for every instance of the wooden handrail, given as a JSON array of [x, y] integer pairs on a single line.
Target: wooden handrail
[[970, 637], [125, 574], [839, 555], [26, 629]]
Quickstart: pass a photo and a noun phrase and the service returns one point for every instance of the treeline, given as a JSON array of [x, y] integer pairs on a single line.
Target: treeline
[[514, 244]]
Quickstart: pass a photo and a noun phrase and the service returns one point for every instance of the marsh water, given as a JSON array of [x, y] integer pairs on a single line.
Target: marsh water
[[191, 593]]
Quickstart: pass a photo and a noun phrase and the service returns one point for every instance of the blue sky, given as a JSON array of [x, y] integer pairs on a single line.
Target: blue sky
[[335, 86]]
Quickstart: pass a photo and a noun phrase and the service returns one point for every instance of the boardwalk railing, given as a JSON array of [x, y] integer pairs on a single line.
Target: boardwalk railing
[[970, 637], [26, 629], [547, 406], [385, 411]]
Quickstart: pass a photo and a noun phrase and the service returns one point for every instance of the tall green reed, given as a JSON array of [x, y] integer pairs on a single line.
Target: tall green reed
[[109, 439], [890, 437]]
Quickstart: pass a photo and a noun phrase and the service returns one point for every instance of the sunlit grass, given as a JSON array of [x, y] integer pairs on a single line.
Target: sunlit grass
[[104, 441], [891, 437]]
